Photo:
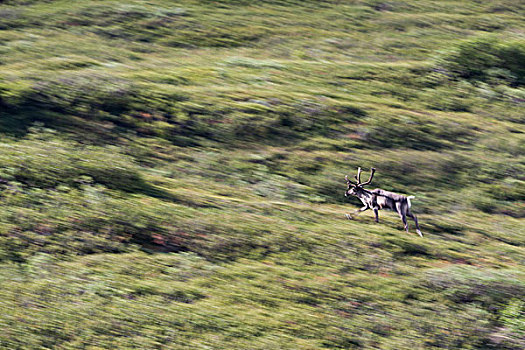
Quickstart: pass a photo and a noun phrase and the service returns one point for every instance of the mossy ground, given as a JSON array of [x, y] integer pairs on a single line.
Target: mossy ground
[[173, 174]]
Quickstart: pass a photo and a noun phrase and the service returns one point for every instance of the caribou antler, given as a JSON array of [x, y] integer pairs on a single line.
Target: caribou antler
[[372, 171], [358, 177], [348, 180]]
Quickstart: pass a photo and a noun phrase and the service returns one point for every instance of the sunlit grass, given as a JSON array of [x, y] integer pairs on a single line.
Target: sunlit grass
[[173, 174]]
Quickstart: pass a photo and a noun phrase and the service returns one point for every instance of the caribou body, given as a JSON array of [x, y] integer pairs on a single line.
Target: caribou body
[[380, 199]]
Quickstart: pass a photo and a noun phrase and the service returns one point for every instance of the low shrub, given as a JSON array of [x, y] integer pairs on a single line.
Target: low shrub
[[82, 94], [43, 161], [484, 58], [467, 284], [405, 131]]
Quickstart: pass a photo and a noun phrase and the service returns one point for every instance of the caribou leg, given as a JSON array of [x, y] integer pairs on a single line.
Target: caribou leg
[[410, 215], [360, 210], [402, 209]]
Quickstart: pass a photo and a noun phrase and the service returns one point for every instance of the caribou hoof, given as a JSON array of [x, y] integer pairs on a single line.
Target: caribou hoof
[[348, 216]]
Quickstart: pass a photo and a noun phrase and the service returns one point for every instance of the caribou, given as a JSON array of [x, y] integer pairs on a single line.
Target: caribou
[[379, 199]]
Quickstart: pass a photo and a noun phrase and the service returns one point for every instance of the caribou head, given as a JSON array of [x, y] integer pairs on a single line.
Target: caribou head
[[354, 188]]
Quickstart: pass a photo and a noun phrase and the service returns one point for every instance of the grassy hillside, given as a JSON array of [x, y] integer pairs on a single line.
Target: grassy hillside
[[172, 174]]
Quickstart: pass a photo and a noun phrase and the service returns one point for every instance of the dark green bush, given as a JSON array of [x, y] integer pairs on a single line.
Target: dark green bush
[[82, 94], [503, 197], [466, 284], [414, 132], [43, 161], [486, 57]]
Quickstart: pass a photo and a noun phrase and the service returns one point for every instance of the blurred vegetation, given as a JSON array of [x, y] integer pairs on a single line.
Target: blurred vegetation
[[172, 174]]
